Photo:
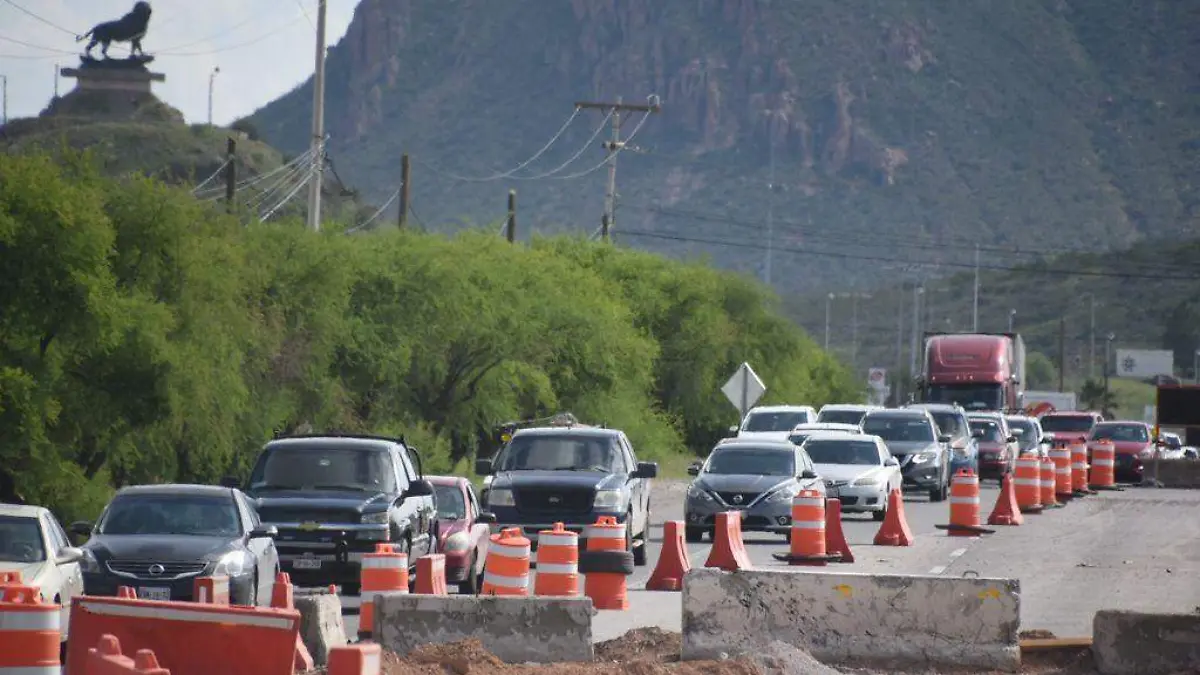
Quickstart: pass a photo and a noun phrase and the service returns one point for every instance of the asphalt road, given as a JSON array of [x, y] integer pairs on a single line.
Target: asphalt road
[[1138, 549]]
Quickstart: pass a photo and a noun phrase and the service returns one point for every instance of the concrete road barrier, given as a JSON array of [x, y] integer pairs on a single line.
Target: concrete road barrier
[[321, 625], [918, 620], [1178, 473], [515, 629], [1134, 643]]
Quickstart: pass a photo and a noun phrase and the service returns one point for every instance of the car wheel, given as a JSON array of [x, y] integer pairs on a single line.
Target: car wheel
[[252, 597], [938, 494], [470, 586], [693, 535]]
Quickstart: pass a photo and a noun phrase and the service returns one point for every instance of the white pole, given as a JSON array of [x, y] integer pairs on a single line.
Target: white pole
[[828, 302], [318, 125], [770, 212], [211, 78], [975, 302]]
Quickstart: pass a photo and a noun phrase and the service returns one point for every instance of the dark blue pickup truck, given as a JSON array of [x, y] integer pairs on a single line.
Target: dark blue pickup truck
[[570, 475]]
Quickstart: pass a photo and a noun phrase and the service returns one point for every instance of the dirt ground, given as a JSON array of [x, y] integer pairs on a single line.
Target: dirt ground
[[651, 651]]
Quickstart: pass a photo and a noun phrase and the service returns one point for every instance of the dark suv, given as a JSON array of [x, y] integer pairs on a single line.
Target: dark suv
[[333, 498], [572, 475]]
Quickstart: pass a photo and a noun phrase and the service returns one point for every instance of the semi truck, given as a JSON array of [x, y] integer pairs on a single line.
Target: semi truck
[[979, 371]]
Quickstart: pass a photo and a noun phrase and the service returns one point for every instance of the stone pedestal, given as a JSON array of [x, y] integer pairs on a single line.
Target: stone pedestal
[[113, 90], [112, 78]]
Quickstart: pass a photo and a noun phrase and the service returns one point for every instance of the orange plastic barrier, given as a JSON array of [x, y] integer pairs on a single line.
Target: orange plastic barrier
[[807, 545], [558, 562], [1006, 511], [606, 589], [673, 561], [283, 596], [894, 531], [1103, 473], [106, 659], [728, 550], [964, 506], [506, 571], [211, 590], [29, 632], [431, 574], [1028, 483], [384, 571], [835, 534], [363, 658], [188, 638], [1048, 481], [10, 578], [1063, 490], [1079, 468], [127, 592]]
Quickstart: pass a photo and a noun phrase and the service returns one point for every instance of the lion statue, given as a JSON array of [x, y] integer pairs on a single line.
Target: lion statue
[[130, 28]]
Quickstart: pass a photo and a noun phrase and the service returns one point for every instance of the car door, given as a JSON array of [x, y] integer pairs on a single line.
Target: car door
[[266, 558], [639, 494], [478, 532], [420, 511], [68, 581], [892, 472]]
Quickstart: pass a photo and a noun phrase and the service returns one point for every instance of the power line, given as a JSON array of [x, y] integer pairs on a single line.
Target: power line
[[44, 20], [240, 45], [15, 41]]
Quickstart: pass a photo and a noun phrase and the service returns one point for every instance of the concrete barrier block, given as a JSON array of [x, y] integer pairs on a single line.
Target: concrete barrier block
[[838, 617], [1135, 643], [321, 624], [516, 630], [1179, 473]]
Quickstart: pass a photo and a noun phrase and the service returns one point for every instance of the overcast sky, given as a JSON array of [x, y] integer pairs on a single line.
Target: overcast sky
[[264, 48]]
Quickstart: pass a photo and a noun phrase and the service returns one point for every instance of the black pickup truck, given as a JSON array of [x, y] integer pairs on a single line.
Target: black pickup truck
[[334, 497]]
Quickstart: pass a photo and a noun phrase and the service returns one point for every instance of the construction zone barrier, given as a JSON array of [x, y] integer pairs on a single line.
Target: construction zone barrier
[[30, 634], [1104, 465], [128, 592], [384, 571], [431, 574], [10, 578], [1006, 511], [1138, 643], [106, 659], [211, 590], [1047, 487], [605, 564], [188, 638], [558, 562], [283, 596], [1028, 483], [807, 537], [1063, 481], [673, 560], [515, 629], [506, 571], [321, 625], [1079, 468], [835, 534], [929, 621], [728, 550], [894, 531], [964, 506], [358, 659]]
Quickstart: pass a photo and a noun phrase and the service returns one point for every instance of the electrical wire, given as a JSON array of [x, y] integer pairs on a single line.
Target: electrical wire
[[280, 185], [218, 50], [210, 179], [377, 213], [44, 20], [612, 156], [5, 38], [303, 182]]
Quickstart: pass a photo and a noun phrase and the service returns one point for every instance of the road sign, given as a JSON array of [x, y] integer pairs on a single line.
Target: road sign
[[744, 389]]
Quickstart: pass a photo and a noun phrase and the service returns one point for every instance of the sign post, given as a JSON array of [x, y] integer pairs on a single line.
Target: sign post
[[744, 389]]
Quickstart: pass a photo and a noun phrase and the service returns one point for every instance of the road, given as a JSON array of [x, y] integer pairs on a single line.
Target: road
[[1138, 549]]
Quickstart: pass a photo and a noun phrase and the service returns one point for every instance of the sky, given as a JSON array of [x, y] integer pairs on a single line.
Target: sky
[[263, 49]]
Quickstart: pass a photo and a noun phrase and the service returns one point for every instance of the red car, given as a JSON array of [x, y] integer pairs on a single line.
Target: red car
[[1134, 443], [462, 531]]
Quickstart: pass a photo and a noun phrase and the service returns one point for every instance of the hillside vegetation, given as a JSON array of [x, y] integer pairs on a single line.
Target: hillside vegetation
[[906, 131], [149, 337]]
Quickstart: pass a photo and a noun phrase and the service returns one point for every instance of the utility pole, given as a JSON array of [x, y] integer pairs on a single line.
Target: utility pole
[[1062, 354], [230, 172], [918, 291], [56, 81], [211, 79], [900, 330], [770, 212], [4, 96], [1012, 316], [975, 301], [318, 125], [828, 306], [405, 183], [614, 147], [1092, 336], [510, 227]]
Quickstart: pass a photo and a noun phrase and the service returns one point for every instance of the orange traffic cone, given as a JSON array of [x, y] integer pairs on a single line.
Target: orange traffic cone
[[431, 574], [835, 536], [1006, 511], [728, 550], [894, 531], [673, 561]]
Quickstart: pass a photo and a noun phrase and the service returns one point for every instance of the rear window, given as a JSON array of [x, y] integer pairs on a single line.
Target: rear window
[[21, 540], [822, 451], [775, 421], [841, 416]]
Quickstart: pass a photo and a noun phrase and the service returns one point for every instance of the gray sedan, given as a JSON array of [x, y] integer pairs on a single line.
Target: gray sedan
[[755, 477]]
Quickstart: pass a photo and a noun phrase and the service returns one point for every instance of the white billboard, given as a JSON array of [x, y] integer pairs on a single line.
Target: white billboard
[[1145, 362]]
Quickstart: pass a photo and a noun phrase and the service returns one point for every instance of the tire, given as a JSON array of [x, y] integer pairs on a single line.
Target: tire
[[693, 535], [880, 515], [938, 494], [350, 589], [606, 562], [471, 585]]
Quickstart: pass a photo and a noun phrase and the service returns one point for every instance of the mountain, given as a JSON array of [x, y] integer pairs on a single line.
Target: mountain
[[892, 128]]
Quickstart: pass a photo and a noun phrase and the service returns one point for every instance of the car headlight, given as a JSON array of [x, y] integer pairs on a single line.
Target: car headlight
[[457, 543], [88, 562], [500, 497], [608, 500], [1146, 453], [380, 518], [867, 481], [923, 457], [784, 495], [233, 564], [696, 492]]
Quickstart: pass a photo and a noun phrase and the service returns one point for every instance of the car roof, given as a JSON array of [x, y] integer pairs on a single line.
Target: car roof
[[22, 510], [446, 480], [869, 438], [779, 408], [849, 406], [899, 413], [984, 415], [1021, 418], [756, 443], [1071, 413], [1110, 423], [176, 489], [360, 442], [567, 431], [826, 426], [939, 407]]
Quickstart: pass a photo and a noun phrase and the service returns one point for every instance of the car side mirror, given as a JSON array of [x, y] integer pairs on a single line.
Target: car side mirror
[[1046, 441], [891, 461], [1011, 439], [646, 470], [486, 517], [808, 474], [264, 532], [68, 555], [230, 482], [82, 528], [419, 488], [694, 470], [483, 467], [734, 429], [945, 439]]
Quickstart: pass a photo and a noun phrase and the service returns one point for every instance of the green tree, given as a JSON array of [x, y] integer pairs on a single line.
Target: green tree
[[1040, 371], [1094, 397], [1181, 332]]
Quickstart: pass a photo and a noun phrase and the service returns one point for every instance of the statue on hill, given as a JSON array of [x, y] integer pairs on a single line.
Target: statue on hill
[[130, 28]]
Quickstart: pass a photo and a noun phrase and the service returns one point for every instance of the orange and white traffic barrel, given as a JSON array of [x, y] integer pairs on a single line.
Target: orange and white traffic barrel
[[506, 571], [605, 564], [30, 633], [1063, 480], [558, 562], [1048, 480], [1028, 483], [1079, 468], [1104, 465], [965, 515], [807, 544], [384, 571]]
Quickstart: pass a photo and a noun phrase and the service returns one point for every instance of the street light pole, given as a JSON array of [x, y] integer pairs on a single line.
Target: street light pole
[[211, 77], [1107, 356], [4, 96], [828, 305], [1012, 315]]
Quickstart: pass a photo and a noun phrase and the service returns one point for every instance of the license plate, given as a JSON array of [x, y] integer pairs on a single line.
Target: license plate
[[307, 563], [153, 593]]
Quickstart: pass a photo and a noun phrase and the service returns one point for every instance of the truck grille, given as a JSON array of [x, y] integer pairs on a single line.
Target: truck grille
[[308, 515], [555, 500], [170, 570], [738, 498]]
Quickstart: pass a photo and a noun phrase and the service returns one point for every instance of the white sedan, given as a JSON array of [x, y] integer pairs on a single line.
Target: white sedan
[[33, 543], [857, 469]]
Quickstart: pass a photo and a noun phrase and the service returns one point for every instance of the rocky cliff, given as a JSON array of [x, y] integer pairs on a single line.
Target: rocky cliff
[[891, 132]]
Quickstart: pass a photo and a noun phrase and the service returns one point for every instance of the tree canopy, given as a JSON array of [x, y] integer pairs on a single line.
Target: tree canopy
[[149, 337]]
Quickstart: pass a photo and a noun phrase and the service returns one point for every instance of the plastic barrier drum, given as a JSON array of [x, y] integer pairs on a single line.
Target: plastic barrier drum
[[1079, 468], [964, 506], [1028, 483], [29, 633], [188, 638], [1047, 487], [605, 564], [558, 562], [384, 571], [1103, 473], [1063, 490], [807, 536], [506, 571]]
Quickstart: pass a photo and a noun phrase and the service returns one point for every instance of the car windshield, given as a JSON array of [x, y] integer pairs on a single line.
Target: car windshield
[[841, 416], [990, 429], [1121, 433], [775, 421], [560, 452], [752, 462], [823, 451], [969, 396], [1028, 437], [898, 429], [183, 514], [325, 467], [21, 540], [450, 502], [949, 423], [1067, 423]]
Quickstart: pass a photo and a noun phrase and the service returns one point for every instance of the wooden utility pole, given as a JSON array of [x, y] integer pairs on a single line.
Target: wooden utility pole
[[405, 183], [318, 125], [510, 227], [1062, 354], [230, 172], [614, 146]]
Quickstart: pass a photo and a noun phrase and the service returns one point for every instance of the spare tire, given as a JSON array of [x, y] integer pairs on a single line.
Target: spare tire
[[606, 562]]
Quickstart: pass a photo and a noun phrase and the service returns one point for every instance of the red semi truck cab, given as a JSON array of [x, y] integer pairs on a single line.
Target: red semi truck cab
[[979, 371]]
